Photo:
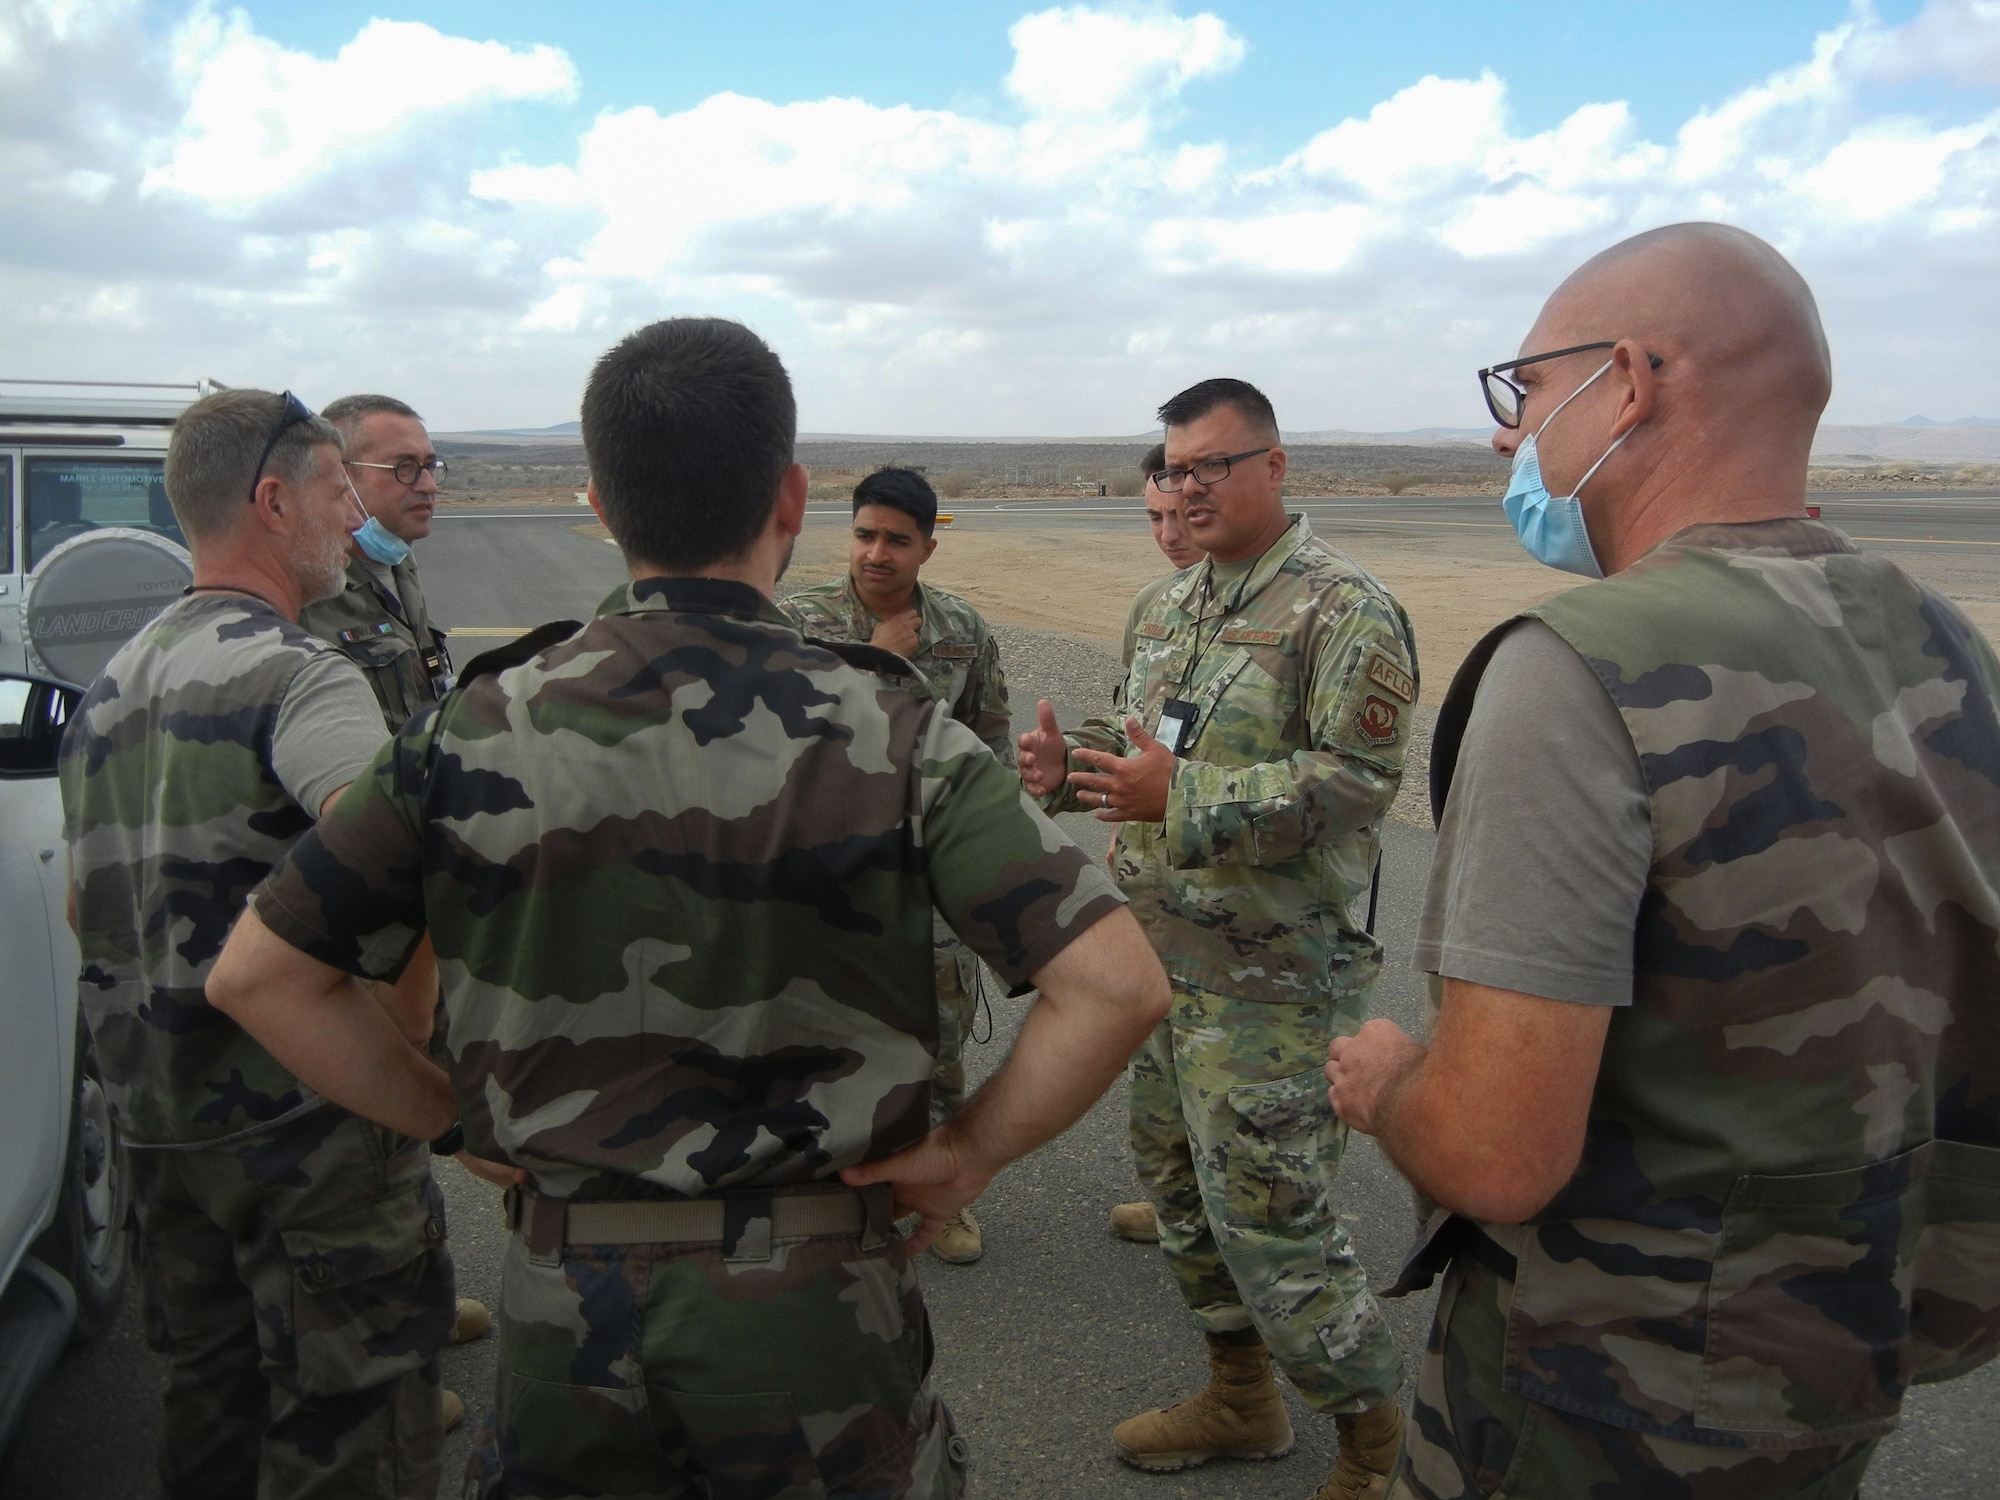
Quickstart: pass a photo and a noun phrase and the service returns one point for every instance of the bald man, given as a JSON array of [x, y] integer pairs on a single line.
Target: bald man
[[1712, 1097]]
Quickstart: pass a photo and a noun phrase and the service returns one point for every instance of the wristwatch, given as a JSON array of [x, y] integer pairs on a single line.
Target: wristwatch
[[451, 1142]]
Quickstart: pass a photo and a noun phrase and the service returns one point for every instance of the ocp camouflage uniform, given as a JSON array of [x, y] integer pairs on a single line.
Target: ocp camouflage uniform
[[678, 869], [291, 1254], [1254, 894], [1788, 1205], [959, 660], [385, 629]]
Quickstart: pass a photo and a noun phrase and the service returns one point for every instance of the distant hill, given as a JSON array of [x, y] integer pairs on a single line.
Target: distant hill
[[1971, 440]]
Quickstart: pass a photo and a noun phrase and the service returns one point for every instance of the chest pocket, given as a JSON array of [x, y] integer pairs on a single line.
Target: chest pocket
[[395, 670], [1250, 706]]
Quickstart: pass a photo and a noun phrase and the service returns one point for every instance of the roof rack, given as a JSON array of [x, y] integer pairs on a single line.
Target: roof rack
[[123, 403]]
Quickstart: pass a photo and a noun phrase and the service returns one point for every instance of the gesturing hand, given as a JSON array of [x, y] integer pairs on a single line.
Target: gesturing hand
[[901, 633], [1043, 756], [1126, 789]]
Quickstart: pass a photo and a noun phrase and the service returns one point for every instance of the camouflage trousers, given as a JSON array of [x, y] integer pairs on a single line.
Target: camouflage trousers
[[1236, 1143], [1468, 1437], [669, 1372], [298, 1283], [957, 978]]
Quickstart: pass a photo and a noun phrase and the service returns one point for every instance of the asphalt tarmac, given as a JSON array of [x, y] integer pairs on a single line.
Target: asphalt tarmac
[[1061, 1330]]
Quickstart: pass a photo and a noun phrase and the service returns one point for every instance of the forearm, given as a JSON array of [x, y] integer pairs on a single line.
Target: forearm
[[1490, 1120], [1091, 1016], [330, 1031], [411, 1002], [1267, 813]]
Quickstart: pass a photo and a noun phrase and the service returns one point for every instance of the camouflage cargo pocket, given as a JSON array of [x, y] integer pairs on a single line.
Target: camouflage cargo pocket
[[1275, 1170], [1955, 1291], [1810, 1297], [370, 1296]]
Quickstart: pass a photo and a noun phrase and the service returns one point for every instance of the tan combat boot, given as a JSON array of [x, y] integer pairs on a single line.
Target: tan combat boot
[[958, 1243], [1239, 1415], [471, 1321], [1369, 1443], [1135, 1221], [454, 1408]]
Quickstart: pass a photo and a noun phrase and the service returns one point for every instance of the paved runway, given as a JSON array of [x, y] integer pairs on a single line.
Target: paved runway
[[1061, 1331]]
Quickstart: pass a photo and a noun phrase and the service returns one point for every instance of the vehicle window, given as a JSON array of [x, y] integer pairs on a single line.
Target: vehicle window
[[32, 716], [6, 516], [69, 496]]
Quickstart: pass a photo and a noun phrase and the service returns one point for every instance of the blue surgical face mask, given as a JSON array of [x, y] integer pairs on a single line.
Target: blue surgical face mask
[[376, 541], [1551, 529]]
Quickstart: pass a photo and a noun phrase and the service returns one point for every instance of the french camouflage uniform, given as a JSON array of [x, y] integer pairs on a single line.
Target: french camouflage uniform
[[678, 868], [291, 1254], [386, 630], [959, 660], [1254, 895], [1788, 1205]]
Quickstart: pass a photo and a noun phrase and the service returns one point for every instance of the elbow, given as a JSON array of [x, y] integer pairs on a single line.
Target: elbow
[[1501, 1195], [224, 988], [1156, 997]]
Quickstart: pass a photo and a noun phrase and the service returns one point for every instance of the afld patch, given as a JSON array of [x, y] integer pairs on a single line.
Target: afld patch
[[1377, 720], [1386, 674]]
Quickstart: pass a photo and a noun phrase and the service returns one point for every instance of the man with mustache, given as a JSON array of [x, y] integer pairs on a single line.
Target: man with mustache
[[1271, 693]]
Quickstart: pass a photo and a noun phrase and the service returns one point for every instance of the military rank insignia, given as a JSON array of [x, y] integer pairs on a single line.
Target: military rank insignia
[[1377, 720], [366, 632]]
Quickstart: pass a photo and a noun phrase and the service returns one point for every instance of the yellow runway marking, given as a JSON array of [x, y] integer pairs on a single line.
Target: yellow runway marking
[[1927, 541]]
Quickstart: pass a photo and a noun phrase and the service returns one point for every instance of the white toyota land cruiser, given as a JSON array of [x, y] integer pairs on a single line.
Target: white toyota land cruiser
[[89, 551]]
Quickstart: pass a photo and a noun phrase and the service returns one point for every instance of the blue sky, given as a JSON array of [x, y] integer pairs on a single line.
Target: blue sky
[[1019, 219]]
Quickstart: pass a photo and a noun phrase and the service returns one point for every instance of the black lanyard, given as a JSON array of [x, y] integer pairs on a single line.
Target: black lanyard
[[1186, 682]]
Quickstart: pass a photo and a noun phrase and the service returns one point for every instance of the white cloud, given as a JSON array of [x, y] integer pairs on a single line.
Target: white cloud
[[260, 119], [212, 201], [1080, 61]]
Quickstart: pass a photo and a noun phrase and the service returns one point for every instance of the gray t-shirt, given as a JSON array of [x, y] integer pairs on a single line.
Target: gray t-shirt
[[1547, 838]]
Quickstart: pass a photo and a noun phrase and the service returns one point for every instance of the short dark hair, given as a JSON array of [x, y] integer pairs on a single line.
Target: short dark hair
[[347, 412], [1197, 401], [1154, 461], [688, 426], [900, 489], [211, 465]]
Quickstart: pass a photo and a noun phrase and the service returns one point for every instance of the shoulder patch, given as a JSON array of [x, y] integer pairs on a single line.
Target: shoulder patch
[[1386, 674], [520, 649], [1376, 722], [1245, 635], [1152, 630], [955, 650]]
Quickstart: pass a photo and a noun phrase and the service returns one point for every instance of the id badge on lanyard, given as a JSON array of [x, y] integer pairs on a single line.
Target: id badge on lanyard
[[1176, 730]]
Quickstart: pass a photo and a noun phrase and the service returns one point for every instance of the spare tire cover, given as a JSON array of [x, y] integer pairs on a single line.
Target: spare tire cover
[[93, 592]]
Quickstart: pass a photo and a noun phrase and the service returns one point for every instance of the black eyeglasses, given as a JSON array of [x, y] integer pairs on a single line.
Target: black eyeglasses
[[1505, 399], [1208, 471], [295, 412], [406, 470]]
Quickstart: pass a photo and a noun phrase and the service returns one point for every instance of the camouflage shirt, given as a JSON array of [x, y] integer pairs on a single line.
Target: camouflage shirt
[[1788, 1204], [1303, 675], [956, 653], [203, 750], [678, 870], [385, 629]]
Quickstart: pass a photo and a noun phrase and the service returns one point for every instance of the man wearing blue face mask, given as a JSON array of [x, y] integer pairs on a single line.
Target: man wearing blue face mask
[[1712, 1098], [379, 620]]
